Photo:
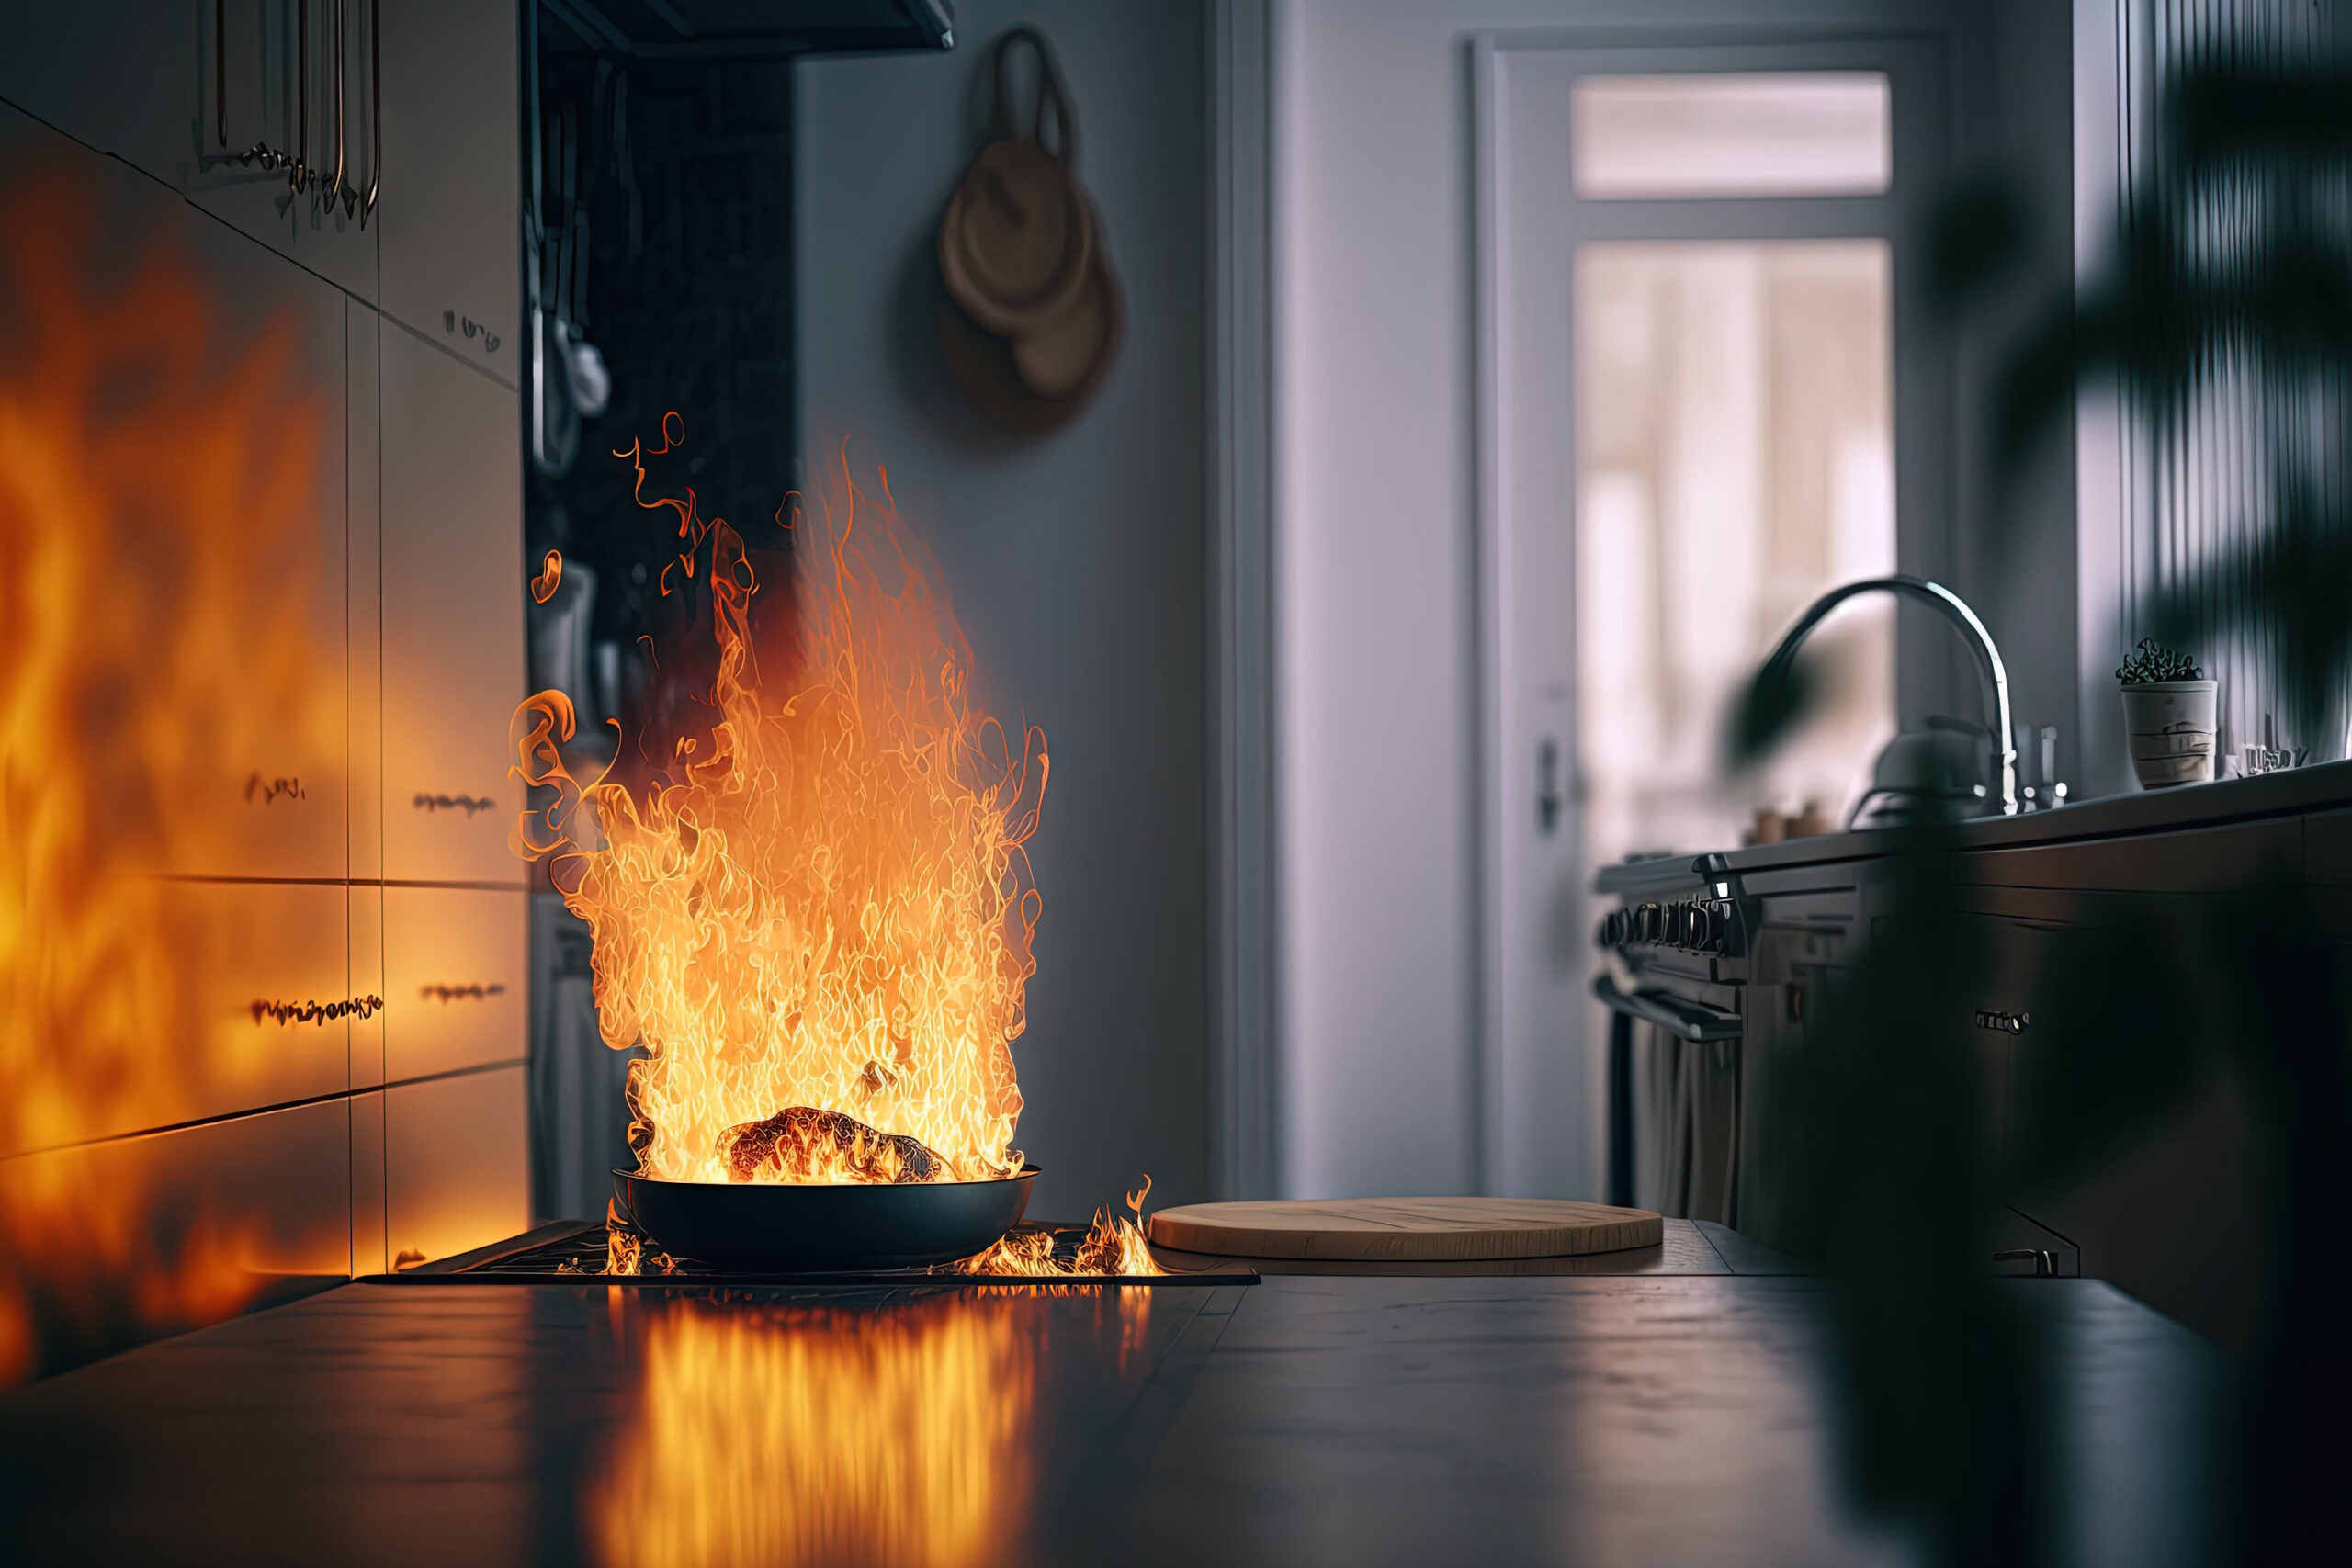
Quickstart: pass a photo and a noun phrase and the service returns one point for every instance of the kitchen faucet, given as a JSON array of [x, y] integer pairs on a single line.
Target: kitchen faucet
[[1954, 609]]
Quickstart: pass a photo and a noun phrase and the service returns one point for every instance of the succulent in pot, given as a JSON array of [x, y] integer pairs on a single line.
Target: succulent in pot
[[2169, 712]]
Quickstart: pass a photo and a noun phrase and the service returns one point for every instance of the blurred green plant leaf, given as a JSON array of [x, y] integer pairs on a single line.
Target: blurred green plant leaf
[[1779, 699]]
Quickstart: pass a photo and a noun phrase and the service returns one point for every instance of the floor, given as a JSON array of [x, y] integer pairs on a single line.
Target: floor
[[1672, 1415]]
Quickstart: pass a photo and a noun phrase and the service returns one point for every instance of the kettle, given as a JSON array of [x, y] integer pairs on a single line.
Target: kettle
[[1925, 775]]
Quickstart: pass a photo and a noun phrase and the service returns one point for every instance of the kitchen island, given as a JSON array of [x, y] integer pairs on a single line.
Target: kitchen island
[[1675, 1414]]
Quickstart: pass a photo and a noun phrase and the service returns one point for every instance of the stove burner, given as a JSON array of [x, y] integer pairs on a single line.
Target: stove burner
[[572, 1252]]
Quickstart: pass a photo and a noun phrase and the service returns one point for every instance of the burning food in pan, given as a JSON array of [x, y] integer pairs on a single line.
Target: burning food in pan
[[809, 887]]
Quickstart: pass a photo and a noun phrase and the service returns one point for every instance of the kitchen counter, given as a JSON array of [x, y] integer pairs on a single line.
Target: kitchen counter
[[1672, 1415], [2291, 792]]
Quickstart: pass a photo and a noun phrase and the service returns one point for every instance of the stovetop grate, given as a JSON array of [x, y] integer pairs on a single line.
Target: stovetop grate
[[572, 1252]]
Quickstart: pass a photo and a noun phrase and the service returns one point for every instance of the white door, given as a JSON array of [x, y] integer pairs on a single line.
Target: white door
[[1698, 410]]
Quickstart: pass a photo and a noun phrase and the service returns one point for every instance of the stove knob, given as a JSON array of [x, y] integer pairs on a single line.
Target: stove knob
[[1718, 928], [1648, 923], [1678, 927]]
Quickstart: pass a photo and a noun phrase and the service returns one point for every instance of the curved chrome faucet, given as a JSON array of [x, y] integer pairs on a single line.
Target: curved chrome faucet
[[1954, 609]]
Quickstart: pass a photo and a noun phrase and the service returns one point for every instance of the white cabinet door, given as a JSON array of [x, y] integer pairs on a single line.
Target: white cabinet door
[[454, 997], [192, 385], [296, 77], [221, 997], [450, 216], [453, 615], [457, 1164]]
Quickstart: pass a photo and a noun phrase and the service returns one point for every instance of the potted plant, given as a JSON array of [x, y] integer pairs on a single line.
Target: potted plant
[[2168, 713]]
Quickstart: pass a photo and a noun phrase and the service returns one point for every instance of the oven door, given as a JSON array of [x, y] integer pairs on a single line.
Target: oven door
[[1674, 1090]]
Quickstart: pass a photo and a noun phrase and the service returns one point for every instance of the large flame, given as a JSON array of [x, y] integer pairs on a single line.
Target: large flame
[[820, 1436], [155, 560], [1111, 1246], [824, 901]]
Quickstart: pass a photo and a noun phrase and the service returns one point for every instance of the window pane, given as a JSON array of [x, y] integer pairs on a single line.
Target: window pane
[[1735, 457], [1784, 133]]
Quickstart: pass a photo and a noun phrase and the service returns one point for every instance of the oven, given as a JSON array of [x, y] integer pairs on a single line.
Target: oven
[[1711, 973], [1676, 976]]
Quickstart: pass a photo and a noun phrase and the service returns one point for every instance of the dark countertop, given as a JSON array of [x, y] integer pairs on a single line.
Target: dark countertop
[[1672, 1415], [2288, 792]]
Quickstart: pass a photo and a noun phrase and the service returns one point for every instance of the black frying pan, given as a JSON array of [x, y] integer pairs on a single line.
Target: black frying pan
[[773, 1227]]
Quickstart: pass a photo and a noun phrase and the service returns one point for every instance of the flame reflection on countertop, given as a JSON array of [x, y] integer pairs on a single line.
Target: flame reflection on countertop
[[818, 1434]]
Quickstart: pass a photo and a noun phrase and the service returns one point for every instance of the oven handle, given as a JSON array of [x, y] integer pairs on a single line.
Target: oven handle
[[1689, 1019]]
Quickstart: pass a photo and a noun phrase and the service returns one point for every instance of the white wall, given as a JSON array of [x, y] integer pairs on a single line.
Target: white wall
[[1078, 561], [1373, 453]]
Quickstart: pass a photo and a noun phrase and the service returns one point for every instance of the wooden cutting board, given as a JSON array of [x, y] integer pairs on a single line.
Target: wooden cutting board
[[1395, 1228]]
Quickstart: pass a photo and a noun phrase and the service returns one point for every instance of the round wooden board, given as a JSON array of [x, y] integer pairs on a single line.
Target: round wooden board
[[1417, 1228]]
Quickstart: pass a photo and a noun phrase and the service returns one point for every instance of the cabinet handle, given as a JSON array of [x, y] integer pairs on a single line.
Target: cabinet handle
[[472, 990], [299, 175], [429, 803], [269, 790], [340, 192], [220, 71], [375, 106], [320, 1013], [337, 193]]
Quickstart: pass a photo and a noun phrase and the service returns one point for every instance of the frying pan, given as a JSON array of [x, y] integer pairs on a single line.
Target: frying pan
[[774, 1227]]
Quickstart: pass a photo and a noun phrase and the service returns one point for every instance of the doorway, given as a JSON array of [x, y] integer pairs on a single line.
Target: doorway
[[1701, 406]]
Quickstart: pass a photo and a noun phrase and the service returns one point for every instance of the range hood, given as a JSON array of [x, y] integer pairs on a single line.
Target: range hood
[[750, 30]]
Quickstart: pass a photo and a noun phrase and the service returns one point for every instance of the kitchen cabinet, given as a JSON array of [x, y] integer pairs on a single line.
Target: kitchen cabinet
[[213, 559], [454, 964], [364, 589], [269, 795], [225, 1002], [182, 90], [121, 78], [457, 1171], [295, 77], [316, 598], [450, 221], [253, 1199], [263, 972], [367, 1213], [453, 622]]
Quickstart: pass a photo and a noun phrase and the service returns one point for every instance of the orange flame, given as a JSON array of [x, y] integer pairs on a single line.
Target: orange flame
[[156, 474], [550, 578], [820, 1436], [830, 907], [1111, 1246]]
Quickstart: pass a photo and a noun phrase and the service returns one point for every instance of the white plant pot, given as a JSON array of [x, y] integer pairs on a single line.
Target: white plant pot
[[2170, 726]]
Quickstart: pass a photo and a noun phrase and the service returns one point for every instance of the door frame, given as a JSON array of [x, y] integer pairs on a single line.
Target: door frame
[[1539, 1035]]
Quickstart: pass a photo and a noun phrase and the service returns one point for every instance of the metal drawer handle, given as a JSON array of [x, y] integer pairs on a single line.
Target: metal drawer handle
[[300, 178], [469, 804], [1686, 1020], [375, 107], [315, 1013], [262, 790], [470, 991]]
